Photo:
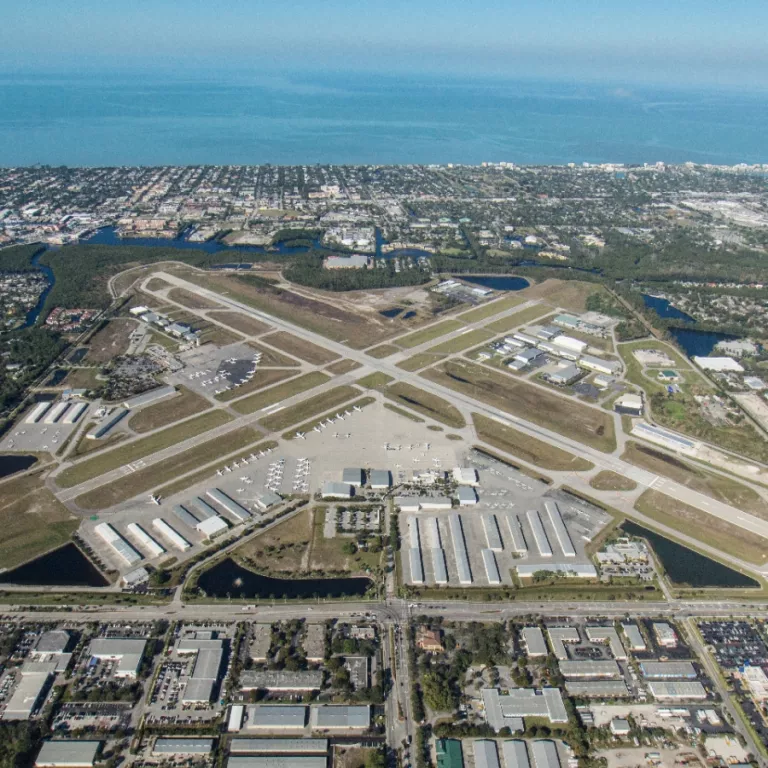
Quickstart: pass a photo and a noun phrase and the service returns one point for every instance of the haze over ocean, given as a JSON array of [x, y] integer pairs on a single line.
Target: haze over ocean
[[359, 119]]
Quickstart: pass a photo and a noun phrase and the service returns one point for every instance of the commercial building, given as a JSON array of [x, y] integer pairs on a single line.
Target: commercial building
[[569, 344], [278, 761], [668, 691], [448, 753], [103, 428], [561, 532], [212, 527], [154, 547], [528, 355], [465, 476], [126, 651], [261, 641], [276, 717], [171, 534], [354, 476], [36, 412], [74, 413], [511, 709], [117, 544], [467, 496], [314, 643], [668, 670], [608, 635], [634, 637], [567, 570], [665, 636], [206, 670], [238, 511], [589, 668], [235, 721], [429, 640], [339, 717], [515, 754], [381, 479], [415, 561], [565, 375], [718, 364], [539, 535], [267, 499], [460, 549], [544, 754], [182, 746], [150, 397], [248, 746], [486, 753], [281, 680], [332, 490], [629, 405], [30, 689], [67, 754], [608, 367], [620, 726], [663, 437], [600, 689], [558, 637], [533, 642]]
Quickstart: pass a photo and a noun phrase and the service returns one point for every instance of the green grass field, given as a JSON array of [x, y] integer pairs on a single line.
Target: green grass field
[[181, 406], [426, 404], [274, 395], [165, 471], [525, 315], [574, 420], [382, 351], [374, 380], [310, 407], [130, 452], [428, 334], [492, 308], [708, 529], [527, 448]]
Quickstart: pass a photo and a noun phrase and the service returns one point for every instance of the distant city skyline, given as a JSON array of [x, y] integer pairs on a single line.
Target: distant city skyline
[[689, 42]]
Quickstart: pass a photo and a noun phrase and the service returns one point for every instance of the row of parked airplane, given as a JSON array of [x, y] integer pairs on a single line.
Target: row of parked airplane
[[244, 461], [321, 425]]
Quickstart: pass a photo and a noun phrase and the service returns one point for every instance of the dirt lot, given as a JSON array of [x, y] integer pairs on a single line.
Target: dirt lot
[[612, 481], [300, 348], [579, 422], [283, 546], [706, 528], [32, 520], [155, 284], [718, 487], [568, 294], [111, 341], [247, 325], [527, 448], [182, 405]]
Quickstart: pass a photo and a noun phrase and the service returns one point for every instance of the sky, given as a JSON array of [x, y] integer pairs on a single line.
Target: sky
[[675, 42]]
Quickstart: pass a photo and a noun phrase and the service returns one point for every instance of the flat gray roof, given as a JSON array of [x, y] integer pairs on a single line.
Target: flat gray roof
[[286, 746], [533, 639], [353, 475], [278, 761], [68, 753], [381, 477], [545, 754], [285, 680], [668, 669], [340, 716], [183, 746], [276, 716]]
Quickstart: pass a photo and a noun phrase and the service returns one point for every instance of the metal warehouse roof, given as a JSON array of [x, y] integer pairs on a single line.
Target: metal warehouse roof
[[278, 761], [290, 746], [276, 716], [353, 476], [68, 753], [340, 716], [381, 478], [185, 746]]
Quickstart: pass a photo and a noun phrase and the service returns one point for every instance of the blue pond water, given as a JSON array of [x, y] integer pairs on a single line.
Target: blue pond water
[[694, 342], [66, 566], [227, 578], [497, 282]]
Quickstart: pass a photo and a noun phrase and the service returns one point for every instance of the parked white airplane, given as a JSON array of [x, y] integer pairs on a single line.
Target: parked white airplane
[[154, 499], [299, 436]]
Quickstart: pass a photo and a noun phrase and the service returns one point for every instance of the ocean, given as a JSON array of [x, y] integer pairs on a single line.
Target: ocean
[[356, 119]]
